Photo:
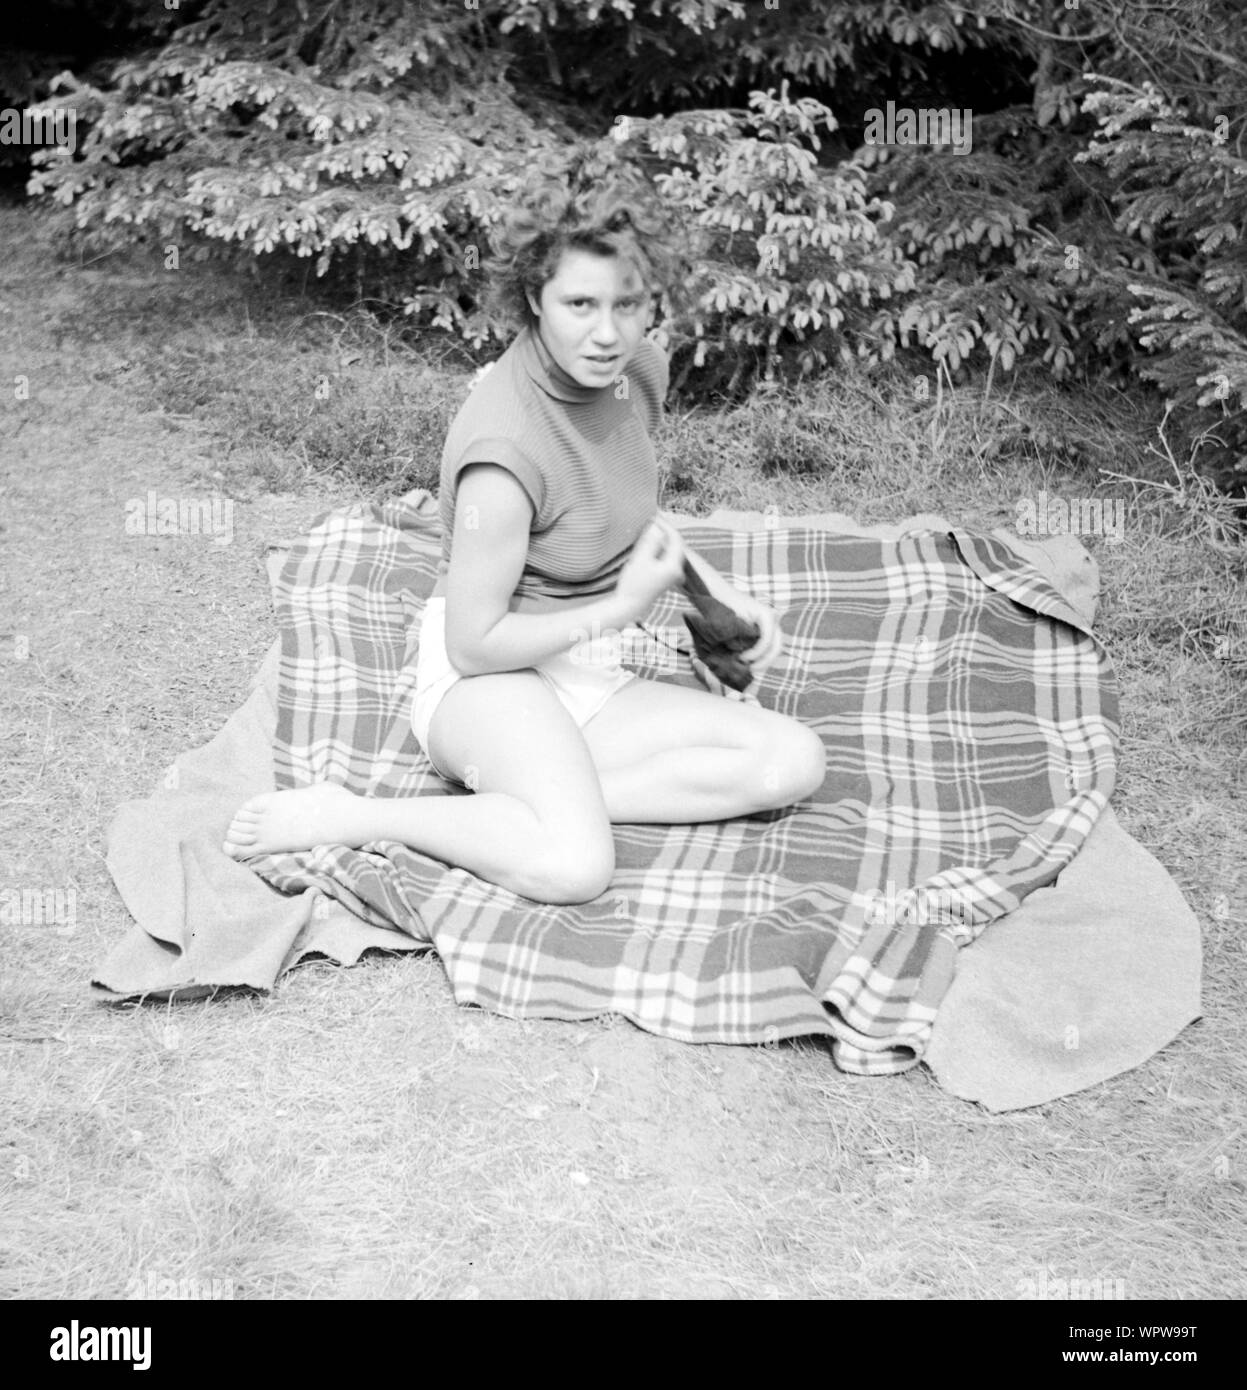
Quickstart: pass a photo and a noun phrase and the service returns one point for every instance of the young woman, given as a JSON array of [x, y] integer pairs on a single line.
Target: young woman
[[552, 546]]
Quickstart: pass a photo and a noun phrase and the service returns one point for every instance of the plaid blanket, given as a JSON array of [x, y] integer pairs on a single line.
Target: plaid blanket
[[971, 725]]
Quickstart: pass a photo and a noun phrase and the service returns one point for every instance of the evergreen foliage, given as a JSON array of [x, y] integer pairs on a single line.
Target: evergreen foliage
[[1095, 224]]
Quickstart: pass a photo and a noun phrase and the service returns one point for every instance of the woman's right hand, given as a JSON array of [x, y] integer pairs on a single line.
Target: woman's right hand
[[655, 565]]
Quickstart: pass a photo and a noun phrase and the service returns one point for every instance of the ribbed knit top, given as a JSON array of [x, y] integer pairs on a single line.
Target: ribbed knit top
[[583, 455]]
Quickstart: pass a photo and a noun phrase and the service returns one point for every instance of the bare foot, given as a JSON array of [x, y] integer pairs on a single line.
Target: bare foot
[[302, 818]]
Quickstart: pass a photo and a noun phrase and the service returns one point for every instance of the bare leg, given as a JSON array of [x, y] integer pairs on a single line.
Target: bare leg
[[667, 755], [537, 824], [540, 822]]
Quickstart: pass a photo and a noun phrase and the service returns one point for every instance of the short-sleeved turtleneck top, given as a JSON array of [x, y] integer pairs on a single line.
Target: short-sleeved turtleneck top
[[583, 455]]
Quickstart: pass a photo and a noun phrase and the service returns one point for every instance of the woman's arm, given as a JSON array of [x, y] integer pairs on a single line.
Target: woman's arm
[[493, 515], [718, 586]]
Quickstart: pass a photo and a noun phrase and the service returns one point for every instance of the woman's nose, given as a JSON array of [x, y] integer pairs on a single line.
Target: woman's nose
[[606, 330]]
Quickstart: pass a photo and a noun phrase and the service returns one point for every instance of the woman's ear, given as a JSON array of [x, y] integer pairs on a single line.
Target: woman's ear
[[533, 304]]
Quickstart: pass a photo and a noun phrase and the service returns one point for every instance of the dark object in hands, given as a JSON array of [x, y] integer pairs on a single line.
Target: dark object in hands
[[719, 634]]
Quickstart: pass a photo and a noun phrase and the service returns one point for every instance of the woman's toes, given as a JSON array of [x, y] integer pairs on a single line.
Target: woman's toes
[[238, 841], [244, 829]]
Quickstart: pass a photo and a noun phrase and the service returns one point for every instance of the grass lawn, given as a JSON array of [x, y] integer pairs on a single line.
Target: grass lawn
[[358, 1135]]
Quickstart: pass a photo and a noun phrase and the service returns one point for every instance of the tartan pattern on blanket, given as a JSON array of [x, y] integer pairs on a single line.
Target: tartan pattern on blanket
[[971, 726]]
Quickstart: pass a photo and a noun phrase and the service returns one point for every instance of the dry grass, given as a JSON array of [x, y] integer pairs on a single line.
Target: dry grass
[[357, 1134]]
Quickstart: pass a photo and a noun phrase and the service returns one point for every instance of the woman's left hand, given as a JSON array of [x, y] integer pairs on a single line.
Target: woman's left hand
[[770, 641]]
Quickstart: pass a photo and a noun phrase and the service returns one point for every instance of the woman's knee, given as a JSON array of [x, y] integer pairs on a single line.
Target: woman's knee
[[793, 762], [569, 868]]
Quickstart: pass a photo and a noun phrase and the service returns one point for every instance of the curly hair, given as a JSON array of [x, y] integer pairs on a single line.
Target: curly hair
[[586, 200]]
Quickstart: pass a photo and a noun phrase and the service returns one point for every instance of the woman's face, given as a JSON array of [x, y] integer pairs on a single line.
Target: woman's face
[[592, 314]]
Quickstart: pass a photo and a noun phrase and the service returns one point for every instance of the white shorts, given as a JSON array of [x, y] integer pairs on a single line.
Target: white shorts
[[584, 677]]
